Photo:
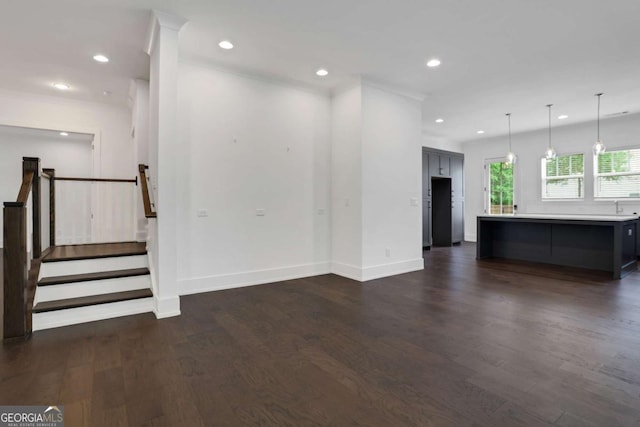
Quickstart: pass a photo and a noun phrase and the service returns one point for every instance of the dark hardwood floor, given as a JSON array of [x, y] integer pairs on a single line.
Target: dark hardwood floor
[[461, 343]]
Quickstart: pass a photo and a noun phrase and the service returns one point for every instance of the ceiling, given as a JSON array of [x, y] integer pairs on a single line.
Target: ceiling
[[497, 56]]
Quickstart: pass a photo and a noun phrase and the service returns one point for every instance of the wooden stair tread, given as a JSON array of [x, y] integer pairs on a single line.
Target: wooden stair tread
[[42, 307], [74, 278], [92, 251]]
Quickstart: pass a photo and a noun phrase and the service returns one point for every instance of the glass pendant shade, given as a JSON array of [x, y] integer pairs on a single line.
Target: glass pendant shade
[[550, 154], [599, 148]]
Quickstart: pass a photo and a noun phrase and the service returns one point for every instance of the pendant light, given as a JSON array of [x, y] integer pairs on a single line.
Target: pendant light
[[511, 157], [550, 153], [598, 147]]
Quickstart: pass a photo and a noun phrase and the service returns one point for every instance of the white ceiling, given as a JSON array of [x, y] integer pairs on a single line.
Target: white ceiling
[[497, 56]]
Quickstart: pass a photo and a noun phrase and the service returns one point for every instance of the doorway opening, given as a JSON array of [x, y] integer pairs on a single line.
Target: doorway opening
[[442, 226]]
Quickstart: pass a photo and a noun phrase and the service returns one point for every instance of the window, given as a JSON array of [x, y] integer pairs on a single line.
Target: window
[[500, 187], [617, 174], [563, 177]]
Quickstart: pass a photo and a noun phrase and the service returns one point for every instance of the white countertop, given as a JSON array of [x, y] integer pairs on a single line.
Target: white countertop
[[568, 217]]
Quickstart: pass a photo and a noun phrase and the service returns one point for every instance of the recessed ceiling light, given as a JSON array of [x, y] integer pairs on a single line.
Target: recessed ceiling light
[[433, 63], [562, 117], [61, 86], [439, 120], [480, 132], [226, 44], [64, 134], [100, 58], [106, 92], [322, 72]]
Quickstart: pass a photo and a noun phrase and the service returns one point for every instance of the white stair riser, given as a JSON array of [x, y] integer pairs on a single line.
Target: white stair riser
[[93, 287], [73, 316], [93, 265]]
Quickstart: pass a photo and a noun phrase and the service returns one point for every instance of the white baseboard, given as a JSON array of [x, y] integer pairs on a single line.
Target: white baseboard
[[166, 307], [468, 237], [347, 270], [73, 316], [198, 285], [377, 271], [386, 270]]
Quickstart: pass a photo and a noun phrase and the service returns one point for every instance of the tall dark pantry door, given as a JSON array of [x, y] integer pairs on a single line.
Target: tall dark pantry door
[[442, 197]]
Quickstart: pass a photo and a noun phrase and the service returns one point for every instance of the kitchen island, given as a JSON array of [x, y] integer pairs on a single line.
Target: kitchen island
[[597, 242]]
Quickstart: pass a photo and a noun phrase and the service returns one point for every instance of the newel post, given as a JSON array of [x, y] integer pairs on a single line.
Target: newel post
[[52, 205], [33, 164], [15, 270]]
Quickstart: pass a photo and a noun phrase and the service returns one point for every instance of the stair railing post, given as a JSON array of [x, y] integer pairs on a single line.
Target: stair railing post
[[33, 164], [52, 205], [15, 268]]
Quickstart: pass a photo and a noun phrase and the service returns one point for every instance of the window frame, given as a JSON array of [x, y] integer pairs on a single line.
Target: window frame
[[544, 179], [487, 186], [595, 165]]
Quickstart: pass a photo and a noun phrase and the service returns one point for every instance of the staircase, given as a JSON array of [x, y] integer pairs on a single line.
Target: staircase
[[85, 283]]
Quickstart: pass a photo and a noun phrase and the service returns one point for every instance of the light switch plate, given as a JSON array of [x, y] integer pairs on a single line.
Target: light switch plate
[[261, 212]]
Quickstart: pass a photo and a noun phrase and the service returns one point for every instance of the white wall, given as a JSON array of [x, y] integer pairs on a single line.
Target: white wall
[[112, 123], [139, 103], [68, 156], [346, 182], [619, 132], [391, 187], [250, 144]]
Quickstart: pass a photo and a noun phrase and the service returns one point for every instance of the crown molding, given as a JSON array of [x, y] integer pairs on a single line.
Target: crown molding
[[161, 20], [417, 96]]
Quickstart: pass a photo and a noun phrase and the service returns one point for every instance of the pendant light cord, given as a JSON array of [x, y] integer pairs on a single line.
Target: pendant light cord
[[549, 106], [509, 119], [599, 95]]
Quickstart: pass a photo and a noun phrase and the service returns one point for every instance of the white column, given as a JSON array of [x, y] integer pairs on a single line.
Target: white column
[[376, 185], [163, 152]]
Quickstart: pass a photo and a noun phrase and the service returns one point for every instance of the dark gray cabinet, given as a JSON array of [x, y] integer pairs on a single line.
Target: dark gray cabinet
[[439, 164], [426, 200], [448, 208]]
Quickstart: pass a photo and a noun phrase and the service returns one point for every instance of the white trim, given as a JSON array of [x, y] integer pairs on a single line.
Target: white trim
[[376, 271], [166, 307], [250, 278], [164, 20], [392, 269], [389, 88], [73, 316], [346, 270], [470, 237], [152, 270]]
